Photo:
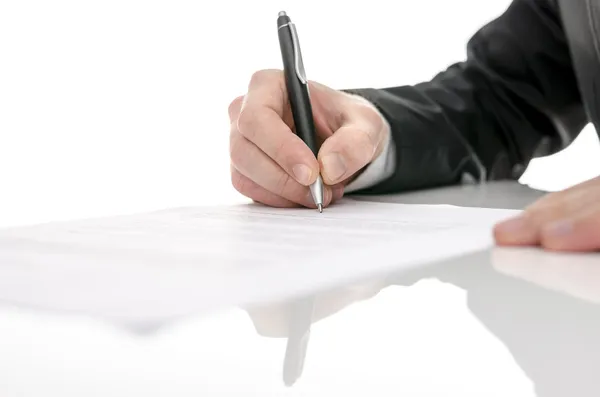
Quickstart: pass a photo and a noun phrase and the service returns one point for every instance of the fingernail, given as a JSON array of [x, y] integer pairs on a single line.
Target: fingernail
[[516, 229], [559, 229], [302, 173], [334, 166]]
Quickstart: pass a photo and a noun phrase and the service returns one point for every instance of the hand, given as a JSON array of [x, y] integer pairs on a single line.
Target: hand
[[273, 320], [270, 164], [563, 221]]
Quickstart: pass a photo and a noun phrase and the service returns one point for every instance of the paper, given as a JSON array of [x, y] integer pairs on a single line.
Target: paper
[[159, 265]]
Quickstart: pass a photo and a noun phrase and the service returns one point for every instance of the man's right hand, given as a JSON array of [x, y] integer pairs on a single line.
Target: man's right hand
[[271, 165]]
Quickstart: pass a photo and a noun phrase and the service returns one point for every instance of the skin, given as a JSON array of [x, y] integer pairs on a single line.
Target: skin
[[566, 221], [272, 166]]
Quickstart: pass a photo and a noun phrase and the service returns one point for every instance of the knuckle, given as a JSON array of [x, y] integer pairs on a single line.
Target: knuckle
[[237, 181], [279, 153], [261, 76], [282, 184], [536, 213], [269, 79], [374, 124], [365, 149], [243, 185], [235, 106], [542, 215], [247, 121]]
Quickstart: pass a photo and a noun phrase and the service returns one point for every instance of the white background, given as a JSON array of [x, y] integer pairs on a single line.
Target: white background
[[121, 106]]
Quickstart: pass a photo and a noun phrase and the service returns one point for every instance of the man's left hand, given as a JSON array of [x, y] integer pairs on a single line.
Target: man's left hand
[[568, 220]]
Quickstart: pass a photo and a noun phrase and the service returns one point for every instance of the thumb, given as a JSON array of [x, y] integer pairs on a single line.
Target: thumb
[[357, 142]]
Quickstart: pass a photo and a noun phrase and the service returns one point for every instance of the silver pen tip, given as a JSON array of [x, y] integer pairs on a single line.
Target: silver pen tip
[[282, 14], [320, 207]]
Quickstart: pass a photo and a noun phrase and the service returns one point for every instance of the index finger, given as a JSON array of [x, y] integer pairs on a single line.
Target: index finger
[[261, 121]]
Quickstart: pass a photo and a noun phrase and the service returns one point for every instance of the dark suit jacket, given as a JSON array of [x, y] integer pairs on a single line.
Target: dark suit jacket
[[529, 85]]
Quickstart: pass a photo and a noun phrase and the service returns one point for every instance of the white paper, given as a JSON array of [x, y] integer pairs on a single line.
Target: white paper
[[165, 264]]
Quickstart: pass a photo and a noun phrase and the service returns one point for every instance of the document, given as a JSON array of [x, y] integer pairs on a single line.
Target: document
[[170, 263]]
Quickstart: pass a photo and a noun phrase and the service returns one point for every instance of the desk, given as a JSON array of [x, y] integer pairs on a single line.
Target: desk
[[492, 323], [500, 194]]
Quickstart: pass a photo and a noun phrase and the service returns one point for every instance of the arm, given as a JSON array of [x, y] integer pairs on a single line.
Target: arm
[[514, 98]]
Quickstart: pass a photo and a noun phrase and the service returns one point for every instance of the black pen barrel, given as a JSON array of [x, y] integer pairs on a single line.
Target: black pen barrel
[[297, 90]]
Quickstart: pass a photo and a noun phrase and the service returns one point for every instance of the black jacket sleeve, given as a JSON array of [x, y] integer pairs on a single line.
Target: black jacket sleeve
[[515, 97]]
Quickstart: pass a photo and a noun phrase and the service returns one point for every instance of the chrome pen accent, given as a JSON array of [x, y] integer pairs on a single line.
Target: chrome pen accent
[[316, 190], [298, 63], [297, 55]]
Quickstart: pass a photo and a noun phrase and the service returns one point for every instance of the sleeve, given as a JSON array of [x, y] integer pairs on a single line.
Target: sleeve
[[514, 98]]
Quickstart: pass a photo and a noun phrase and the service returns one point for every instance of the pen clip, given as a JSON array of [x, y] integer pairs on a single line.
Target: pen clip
[[299, 65]]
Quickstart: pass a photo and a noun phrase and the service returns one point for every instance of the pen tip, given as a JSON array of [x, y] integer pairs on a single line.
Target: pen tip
[[282, 14], [320, 207]]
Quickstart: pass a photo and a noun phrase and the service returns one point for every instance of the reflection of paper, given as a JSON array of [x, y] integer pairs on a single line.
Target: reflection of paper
[[174, 262]]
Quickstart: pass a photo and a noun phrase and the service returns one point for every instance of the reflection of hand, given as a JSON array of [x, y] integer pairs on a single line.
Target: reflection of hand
[[565, 221], [273, 320], [575, 274]]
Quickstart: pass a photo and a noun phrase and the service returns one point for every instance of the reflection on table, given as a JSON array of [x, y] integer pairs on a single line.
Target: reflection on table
[[544, 307], [548, 318]]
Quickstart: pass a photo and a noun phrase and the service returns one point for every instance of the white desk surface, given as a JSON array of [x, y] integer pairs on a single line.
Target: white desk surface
[[492, 323]]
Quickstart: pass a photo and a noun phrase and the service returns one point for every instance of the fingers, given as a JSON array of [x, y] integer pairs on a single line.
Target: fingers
[[274, 166], [580, 232], [519, 231], [234, 108], [562, 221], [354, 145], [251, 189], [570, 196], [266, 130], [256, 166], [261, 121], [257, 193]]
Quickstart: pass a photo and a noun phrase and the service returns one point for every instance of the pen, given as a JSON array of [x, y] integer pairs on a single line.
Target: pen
[[297, 88]]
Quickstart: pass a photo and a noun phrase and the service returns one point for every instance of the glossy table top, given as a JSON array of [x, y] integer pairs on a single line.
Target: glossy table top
[[495, 323]]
